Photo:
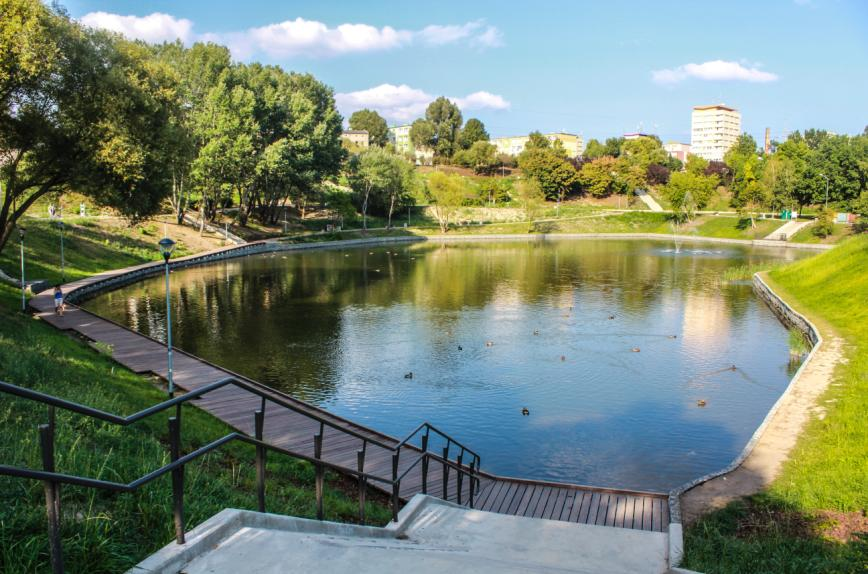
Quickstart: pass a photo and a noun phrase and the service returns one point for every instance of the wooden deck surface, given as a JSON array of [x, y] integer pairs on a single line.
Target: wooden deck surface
[[295, 431]]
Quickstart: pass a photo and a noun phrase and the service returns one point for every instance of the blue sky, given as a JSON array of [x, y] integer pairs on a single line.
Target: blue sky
[[595, 68]]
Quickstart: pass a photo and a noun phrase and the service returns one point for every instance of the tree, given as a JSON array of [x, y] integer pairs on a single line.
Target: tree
[[78, 109], [556, 176], [446, 193], [482, 156], [531, 198], [446, 120], [537, 141], [687, 191], [696, 165], [493, 190], [373, 123], [600, 178], [594, 149], [422, 134], [613, 146], [371, 173], [472, 132], [657, 174], [635, 158]]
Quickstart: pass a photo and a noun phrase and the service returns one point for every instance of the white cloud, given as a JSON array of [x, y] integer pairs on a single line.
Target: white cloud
[[154, 28], [404, 103], [298, 37], [715, 70]]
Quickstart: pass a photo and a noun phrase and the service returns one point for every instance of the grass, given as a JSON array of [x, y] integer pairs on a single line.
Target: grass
[[812, 517], [806, 235], [735, 228], [105, 532]]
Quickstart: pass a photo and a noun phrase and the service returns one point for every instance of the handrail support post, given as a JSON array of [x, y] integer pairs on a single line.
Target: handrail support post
[[177, 479], [52, 494], [259, 423], [320, 474]]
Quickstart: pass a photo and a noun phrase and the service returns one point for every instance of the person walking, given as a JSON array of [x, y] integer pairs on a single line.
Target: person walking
[[58, 301]]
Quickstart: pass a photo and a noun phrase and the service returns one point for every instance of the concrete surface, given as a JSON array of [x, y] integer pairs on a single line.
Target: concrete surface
[[648, 200], [430, 536], [787, 230]]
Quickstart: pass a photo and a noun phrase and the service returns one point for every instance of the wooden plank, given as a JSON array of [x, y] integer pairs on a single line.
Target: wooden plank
[[602, 512], [629, 512], [541, 504]]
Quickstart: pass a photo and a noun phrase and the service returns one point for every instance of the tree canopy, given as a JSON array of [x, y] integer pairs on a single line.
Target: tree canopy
[[472, 132], [445, 119], [373, 123]]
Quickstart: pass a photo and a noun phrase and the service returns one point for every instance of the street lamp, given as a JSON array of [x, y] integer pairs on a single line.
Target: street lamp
[[824, 176], [23, 285], [166, 248]]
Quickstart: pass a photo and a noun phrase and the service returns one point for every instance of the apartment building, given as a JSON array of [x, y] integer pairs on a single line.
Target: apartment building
[[514, 145], [399, 136], [678, 150], [713, 130], [360, 138]]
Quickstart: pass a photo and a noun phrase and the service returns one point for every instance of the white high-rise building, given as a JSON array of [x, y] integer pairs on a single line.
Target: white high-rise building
[[713, 130]]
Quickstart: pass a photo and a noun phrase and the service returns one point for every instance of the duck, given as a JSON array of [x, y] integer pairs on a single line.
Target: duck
[[409, 375], [733, 368], [563, 358], [524, 411], [635, 349], [536, 331], [673, 336], [489, 343], [701, 403], [460, 348], [611, 317]]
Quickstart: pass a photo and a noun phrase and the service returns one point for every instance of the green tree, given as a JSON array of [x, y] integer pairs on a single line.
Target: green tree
[[446, 120], [687, 191], [78, 109], [446, 193], [636, 157], [373, 123], [422, 134], [537, 141], [482, 156], [472, 132], [371, 174], [613, 146], [696, 165], [600, 178], [556, 176], [593, 150], [531, 198]]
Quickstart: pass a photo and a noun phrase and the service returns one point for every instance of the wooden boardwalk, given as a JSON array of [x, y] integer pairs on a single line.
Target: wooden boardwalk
[[295, 430]]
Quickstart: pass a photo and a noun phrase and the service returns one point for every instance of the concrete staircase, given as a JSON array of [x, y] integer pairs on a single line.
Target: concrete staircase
[[431, 536], [648, 200], [787, 230]]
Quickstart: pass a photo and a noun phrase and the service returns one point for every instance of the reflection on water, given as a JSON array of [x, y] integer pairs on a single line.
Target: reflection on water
[[610, 345]]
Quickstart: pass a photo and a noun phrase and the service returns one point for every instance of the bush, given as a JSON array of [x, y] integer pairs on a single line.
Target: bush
[[824, 225]]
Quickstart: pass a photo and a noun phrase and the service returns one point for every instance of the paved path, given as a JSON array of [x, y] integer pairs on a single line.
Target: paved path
[[295, 429], [648, 200], [787, 230]]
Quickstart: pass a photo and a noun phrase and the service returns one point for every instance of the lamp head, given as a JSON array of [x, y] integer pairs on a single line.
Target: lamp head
[[21, 233], [166, 247]]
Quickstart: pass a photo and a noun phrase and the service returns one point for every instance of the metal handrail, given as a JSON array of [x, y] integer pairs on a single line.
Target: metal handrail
[[52, 479], [194, 394], [429, 427]]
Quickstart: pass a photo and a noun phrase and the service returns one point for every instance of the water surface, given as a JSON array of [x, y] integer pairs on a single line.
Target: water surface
[[610, 346]]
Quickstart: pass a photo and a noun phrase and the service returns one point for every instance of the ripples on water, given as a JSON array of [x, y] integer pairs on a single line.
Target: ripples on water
[[608, 344]]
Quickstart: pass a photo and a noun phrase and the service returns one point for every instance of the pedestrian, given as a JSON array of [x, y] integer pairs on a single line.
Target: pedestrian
[[58, 301]]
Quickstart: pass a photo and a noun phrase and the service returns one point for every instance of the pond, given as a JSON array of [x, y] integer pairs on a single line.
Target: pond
[[637, 365]]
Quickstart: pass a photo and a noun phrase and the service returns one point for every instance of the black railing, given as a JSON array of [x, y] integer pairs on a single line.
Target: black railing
[[53, 479]]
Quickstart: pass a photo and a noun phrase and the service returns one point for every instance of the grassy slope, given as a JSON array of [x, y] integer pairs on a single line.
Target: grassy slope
[[806, 235], [785, 528], [102, 532]]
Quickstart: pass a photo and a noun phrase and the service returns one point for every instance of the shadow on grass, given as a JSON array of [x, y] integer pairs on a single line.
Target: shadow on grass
[[764, 534]]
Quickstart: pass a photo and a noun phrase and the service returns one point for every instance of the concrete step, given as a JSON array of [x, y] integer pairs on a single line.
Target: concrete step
[[787, 230], [430, 536]]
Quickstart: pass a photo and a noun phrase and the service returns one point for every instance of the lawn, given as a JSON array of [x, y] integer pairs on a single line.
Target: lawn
[[104, 532], [812, 518], [806, 235], [734, 227]]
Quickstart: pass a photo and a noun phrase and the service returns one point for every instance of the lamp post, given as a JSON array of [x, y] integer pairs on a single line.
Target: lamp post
[[62, 259], [23, 285], [824, 176], [166, 248]]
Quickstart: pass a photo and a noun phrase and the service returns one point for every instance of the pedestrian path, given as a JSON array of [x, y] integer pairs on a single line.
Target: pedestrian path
[[786, 231], [648, 200]]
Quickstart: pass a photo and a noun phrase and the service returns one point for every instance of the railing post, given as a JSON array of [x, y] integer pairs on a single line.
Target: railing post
[[459, 478], [471, 484], [52, 494], [446, 471], [396, 486], [425, 463], [177, 478], [363, 482], [317, 454], [259, 423]]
